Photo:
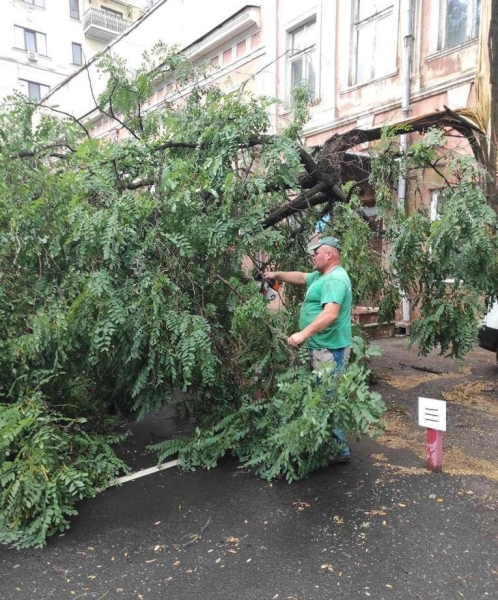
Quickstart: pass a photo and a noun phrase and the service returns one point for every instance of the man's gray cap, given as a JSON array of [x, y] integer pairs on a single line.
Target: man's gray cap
[[326, 241]]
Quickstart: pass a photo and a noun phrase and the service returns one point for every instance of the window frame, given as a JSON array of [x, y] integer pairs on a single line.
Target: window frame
[[76, 10], [112, 12], [73, 45], [35, 83], [309, 51], [357, 25], [472, 28], [36, 40]]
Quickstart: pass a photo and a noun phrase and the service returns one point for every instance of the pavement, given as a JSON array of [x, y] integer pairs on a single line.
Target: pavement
[[380, 527]]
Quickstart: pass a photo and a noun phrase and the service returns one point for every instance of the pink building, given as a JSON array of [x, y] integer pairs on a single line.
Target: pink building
[[368, 62]]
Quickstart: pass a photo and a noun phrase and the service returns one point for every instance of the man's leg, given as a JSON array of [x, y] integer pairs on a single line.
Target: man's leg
[[344, 453], [335, 356]]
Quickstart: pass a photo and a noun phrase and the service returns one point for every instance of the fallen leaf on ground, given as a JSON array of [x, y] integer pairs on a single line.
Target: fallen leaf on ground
[[301, 505], [232, 540]]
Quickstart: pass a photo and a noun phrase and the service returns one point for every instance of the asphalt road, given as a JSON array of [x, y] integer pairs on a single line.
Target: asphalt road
[[380, 527]]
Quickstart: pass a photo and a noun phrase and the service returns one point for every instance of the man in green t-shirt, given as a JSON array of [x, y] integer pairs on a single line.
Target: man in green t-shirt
[[325, 317]]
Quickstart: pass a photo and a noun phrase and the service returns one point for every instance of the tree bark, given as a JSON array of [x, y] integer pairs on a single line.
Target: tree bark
[[493, 113]]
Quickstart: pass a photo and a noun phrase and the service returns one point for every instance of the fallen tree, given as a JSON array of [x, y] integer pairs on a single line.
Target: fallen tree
[[123, 288]]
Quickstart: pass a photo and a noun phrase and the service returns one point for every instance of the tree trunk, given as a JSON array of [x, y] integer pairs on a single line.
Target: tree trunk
[[493, 113]]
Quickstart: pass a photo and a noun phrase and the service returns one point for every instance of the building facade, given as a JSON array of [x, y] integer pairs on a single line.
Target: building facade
[[42, 42], [104, 20], [367, 63]]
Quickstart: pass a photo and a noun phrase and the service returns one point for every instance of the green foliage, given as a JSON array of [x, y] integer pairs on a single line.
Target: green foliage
[[355, 235], [447, 265], [288, 434], [122, 293], [124, 280], [47, 463]]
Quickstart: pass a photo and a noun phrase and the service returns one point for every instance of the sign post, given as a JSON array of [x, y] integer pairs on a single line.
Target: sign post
[[432, 414]]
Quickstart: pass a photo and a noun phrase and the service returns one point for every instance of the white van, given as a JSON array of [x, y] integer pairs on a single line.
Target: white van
[[488, 332]]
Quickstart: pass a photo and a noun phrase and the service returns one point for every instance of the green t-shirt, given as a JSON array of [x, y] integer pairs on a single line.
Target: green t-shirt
[[334, 287]]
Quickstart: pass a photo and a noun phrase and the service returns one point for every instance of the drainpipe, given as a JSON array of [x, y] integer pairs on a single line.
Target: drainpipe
[[406, 66]]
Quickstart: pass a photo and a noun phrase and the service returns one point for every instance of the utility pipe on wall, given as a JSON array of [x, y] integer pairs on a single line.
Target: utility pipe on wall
[[406, 67]]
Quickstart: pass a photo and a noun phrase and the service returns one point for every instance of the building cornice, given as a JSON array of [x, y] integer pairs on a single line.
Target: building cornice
[[324, 125], [246, 19]]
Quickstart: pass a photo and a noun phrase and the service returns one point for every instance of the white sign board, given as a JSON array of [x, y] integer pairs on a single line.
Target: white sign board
[[432, 413]]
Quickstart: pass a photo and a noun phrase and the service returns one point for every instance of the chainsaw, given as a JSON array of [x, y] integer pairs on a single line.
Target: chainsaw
[[269, 288]]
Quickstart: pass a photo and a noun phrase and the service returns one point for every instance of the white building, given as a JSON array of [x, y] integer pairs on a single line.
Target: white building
[[104, 20], [225, 33], [44, 41]]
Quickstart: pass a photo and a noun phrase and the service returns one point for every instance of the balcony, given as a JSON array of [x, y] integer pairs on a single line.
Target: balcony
[[102, 25]]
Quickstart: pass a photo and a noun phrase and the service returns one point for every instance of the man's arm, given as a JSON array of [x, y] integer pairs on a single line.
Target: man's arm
[[294, 277], [329, 314]]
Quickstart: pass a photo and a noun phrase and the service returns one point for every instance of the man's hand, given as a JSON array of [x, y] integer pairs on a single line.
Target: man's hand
[[296, 339], [272, 275]]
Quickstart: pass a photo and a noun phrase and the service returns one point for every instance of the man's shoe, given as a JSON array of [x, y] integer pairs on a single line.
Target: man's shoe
[[342, 458]]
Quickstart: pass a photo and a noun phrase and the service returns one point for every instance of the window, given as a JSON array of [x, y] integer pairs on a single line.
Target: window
[[374, 38], [302, 57], [459, 22], [77, 54], [74, 9], [40, 3], [35, 91], [437, 202], [29, 40], [112, 13]]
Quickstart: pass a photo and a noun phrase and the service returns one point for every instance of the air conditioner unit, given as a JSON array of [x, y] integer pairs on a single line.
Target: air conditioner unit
[[33, 56]]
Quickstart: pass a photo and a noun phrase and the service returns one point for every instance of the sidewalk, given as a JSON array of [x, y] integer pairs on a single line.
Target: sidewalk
[[381, 527]]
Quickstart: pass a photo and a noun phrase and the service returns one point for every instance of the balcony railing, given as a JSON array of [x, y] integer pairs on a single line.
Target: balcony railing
[[102, 25]]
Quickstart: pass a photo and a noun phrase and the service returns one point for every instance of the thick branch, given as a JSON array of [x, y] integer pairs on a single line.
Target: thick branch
[[341, 142], [471, 136], [249, 144], [138, 184], [492, 157], [307, 199], [309, 164]]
